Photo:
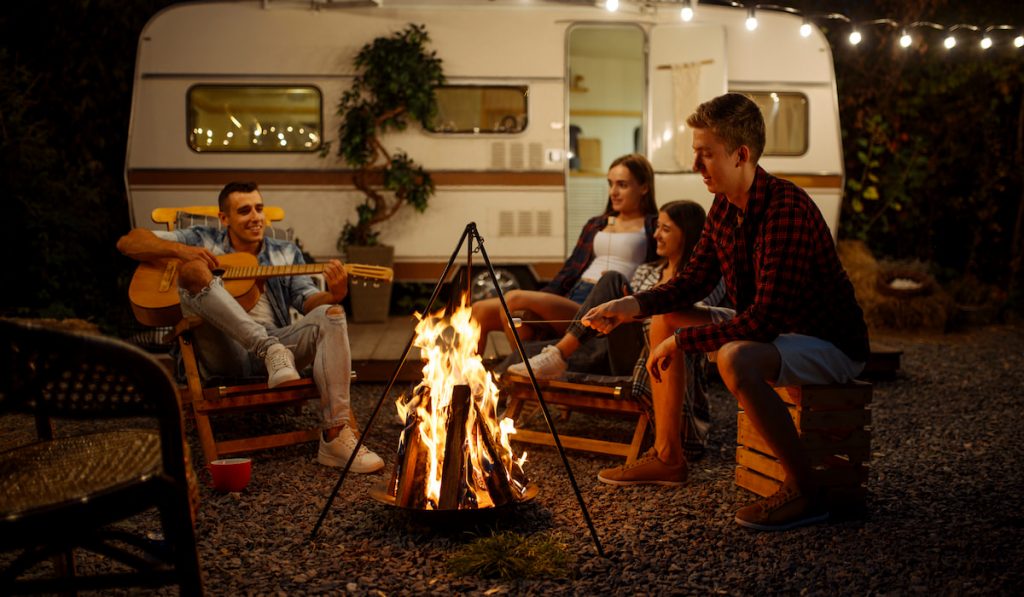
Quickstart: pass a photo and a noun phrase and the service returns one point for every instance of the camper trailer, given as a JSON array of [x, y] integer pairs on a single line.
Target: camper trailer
[[540, 97]]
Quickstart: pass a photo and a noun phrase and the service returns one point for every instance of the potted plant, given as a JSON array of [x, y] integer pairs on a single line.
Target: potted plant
[[394, 83]]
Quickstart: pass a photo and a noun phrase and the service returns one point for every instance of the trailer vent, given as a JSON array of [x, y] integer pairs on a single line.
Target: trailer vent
[[498, 155], [536, 156], [506, 223], [544, 223], [516, 157], [524, 223], [525, 227]]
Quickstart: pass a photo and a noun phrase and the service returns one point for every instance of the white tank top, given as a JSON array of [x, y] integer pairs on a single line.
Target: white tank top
[[616, 251]]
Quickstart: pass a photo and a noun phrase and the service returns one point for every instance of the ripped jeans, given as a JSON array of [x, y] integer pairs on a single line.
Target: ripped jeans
[[233, 344]]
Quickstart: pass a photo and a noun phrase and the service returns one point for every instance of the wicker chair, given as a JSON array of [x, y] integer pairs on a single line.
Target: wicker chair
[[64, 493]]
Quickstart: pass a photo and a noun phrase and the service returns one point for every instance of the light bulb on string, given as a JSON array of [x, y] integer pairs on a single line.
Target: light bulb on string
[[611, 5], [1018, 41], [805, 29], [686, 13], [985, 43], [751, 22], [855, 37], [905, 39], [949, 42]]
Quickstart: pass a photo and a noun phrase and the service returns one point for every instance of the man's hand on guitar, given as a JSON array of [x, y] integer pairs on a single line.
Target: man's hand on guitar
[[337, 279], [189, 253]]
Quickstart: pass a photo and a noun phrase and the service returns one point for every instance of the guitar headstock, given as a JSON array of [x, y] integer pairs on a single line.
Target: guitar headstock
[[369, 275]]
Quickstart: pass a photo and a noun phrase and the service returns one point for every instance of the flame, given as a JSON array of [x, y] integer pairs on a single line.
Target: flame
[[448, 345]]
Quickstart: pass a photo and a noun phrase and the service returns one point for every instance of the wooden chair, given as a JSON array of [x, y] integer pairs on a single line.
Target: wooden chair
[[64, 493], [210, 398], [582, 394]]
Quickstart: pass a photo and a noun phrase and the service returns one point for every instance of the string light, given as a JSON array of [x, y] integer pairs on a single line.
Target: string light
[[907, 35], [805, 28], [686, 13]]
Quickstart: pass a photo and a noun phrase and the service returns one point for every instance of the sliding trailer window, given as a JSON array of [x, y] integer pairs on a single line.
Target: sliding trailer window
[[254, 118], [785, 121], [480, 109]]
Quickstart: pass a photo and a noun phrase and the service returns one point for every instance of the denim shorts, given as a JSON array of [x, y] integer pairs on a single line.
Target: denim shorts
[[580, 291]]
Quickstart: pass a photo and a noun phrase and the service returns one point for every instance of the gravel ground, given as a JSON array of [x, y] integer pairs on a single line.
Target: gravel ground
[[944, 511]]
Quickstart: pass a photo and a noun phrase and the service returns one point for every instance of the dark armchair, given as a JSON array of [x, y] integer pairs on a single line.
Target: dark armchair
[[64, 493]]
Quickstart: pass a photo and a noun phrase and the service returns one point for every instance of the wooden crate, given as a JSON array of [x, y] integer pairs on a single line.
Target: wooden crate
[[833, 422]]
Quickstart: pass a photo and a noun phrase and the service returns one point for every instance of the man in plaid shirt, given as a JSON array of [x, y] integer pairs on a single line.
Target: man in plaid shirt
[[796, 320]]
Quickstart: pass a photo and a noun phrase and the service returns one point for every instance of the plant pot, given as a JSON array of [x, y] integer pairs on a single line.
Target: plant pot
[[370, 303]]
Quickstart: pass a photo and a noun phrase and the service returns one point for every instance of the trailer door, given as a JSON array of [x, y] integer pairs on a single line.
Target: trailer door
[[685, 66]]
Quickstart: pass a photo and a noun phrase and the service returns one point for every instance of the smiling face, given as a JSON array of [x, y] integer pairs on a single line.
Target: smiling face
[[244, 220], [720, 168], [669, 238], [625, 193]]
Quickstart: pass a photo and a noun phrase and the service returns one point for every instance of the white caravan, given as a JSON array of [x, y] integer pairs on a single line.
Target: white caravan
[[540, 97]]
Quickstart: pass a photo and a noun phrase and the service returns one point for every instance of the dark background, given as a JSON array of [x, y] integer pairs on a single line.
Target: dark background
[[938, 135]]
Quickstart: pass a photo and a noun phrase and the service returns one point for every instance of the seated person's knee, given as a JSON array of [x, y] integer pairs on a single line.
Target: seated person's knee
[[194, 276], [335, 311], [735, 361]]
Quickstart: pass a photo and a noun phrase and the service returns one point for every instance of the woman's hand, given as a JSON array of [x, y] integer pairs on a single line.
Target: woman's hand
[[661, 357], [606, 316]]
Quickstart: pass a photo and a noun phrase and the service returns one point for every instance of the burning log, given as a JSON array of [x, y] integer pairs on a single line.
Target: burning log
[[411, 467], [453, 480]]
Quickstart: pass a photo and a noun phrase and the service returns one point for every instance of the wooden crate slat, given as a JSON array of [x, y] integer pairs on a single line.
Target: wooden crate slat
[[810, 420], [832, 476], [756, 482], [855, 444], [830, 397]]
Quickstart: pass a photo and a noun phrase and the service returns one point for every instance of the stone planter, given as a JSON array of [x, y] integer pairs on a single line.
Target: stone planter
[[370, 304]]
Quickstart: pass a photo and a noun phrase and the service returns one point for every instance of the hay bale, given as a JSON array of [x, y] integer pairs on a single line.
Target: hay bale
[[877, 288]]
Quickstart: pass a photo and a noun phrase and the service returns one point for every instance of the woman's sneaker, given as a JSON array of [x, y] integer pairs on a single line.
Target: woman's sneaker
[[337, 452], [549, 364]]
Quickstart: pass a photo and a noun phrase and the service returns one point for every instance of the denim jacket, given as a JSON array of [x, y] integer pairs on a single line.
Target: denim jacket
[[282, 291]]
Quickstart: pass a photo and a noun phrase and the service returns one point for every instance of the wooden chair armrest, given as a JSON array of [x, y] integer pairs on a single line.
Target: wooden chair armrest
[[184, 326]]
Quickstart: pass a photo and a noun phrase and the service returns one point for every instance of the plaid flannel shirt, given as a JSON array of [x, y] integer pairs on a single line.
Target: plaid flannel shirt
[[583, 253], [780, 269]]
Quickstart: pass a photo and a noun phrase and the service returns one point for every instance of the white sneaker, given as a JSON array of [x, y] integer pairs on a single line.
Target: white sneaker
[[549, 364], [337, 452], [280, 364]]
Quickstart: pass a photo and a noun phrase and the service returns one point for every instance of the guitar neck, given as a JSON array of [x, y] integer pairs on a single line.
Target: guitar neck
[[260, 272]]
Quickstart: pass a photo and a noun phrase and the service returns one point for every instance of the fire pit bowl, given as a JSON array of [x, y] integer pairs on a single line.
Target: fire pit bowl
[[380, 493]]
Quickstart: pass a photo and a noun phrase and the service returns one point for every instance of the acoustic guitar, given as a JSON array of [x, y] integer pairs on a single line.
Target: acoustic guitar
[[153, 291]]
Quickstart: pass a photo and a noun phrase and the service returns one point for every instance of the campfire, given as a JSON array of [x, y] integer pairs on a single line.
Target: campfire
[[454, 453]]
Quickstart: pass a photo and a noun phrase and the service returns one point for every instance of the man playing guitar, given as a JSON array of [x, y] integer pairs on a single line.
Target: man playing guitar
[[263, 340]]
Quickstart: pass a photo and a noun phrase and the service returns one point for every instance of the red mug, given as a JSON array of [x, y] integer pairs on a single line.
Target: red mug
[[231, 474]]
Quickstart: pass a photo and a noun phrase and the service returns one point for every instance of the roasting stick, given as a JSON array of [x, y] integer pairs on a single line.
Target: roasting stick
[[518, 321]]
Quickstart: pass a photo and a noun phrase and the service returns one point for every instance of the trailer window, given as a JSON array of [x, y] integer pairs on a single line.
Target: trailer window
[[785, 121], [254, 118], [477, 109]]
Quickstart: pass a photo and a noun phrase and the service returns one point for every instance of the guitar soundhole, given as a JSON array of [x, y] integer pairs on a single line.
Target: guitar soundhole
[[218, 271]]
